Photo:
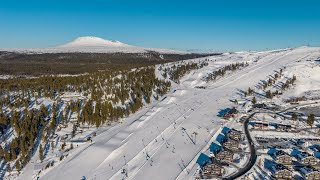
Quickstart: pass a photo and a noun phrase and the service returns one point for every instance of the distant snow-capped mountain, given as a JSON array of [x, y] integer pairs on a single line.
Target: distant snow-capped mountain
[[91, 41], [91, 44]]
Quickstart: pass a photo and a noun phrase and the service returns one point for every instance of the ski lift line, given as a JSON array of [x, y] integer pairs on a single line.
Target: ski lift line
[[151, 142], [178, 124], [203, 149], [145, 149], [130, 177], [157, 149]]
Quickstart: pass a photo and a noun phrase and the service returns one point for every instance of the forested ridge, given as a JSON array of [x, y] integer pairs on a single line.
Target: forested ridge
[[106, 96], [31, 64]]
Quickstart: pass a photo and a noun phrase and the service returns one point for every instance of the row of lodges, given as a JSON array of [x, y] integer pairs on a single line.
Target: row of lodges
[[222, 149], [276, 126], [302, 161], [282, 172], [302, 157]]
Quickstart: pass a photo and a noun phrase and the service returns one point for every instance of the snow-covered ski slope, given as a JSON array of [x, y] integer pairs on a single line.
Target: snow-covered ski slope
[[151, 143]]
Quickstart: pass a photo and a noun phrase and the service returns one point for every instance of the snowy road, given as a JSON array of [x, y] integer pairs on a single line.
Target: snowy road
[[253, 153]]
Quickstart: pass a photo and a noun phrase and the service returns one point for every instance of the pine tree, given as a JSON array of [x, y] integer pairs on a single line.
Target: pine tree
[[269, 94], [41, 156], [3, 119], [9, 168], [62, 118], [23, 146], [294, 78], [54, 117], [74, 129], [254, 101], [250, 91], [310, 120], [1, 152], [63, 145], [18, 166], [52, 145], [44, 111], [294, 117], [7, 156], [14, 148]]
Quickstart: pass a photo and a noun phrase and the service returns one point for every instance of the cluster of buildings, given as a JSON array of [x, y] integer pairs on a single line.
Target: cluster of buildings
[[283, 164], [274, 126], [222, 151], [297, 160], [272, 107], [228, 113]]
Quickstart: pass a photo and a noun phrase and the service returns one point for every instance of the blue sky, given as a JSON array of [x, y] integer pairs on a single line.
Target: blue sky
[[220, 25]]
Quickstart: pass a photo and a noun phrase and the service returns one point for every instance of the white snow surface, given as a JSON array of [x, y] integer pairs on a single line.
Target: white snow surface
[[156, 129]]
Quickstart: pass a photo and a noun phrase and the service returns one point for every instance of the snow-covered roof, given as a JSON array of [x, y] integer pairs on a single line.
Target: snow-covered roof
[[203, 160], [215, 148], [275, 168], [303, 155], [277, 153], [307, 170], [225, 130], [221, 138]]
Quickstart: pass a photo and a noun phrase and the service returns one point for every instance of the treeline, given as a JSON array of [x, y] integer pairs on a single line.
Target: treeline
[[301, 98], [283, 85], [127, 95], [28, 127], [125, 89], [176, 72], [222, 71], [271, 81], [32, 64]]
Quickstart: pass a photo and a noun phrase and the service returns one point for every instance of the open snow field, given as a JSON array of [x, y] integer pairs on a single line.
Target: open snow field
[[151, 144]]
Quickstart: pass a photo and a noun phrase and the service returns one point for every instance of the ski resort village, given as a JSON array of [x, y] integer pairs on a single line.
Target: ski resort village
[[159, 90], [242, 115]]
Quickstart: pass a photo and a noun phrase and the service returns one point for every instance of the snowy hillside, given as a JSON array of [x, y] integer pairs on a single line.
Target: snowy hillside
[[164, 138], [91, 44]]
